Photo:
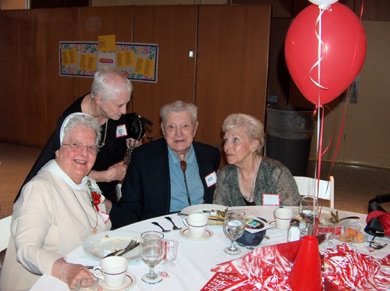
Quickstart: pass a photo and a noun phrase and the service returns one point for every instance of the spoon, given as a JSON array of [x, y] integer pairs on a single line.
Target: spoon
[[162, 229], [174, 225]]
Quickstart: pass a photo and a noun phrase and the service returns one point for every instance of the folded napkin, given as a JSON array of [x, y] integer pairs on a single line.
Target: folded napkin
[[269, 267]]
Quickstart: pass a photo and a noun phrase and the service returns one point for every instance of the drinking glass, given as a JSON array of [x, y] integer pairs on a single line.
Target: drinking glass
[[152, 249], [234, 227], [171, 247], [326, 227], [308, 211]]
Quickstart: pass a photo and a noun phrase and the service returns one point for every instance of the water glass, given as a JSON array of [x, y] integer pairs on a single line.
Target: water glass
[[234, 227], [152, 248], [87, 284], [308, 211]]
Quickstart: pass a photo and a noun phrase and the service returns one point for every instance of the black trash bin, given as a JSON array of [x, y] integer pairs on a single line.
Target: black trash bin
[[289, 132]]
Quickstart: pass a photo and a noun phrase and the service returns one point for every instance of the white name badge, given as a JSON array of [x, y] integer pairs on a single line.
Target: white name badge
[[271, 199], [121, 130], [211, 179]]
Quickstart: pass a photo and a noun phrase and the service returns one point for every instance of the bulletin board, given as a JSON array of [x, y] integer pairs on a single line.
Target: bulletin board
[[137, 61]]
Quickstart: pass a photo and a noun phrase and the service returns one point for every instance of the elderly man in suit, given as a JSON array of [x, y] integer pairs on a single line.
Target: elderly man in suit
[[171, 173]]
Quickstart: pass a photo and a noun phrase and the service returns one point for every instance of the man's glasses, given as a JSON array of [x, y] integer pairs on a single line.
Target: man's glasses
[[78, 147]]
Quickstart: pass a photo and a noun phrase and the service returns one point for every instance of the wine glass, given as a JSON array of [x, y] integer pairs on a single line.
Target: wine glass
[[234, 227], [151, 250], [308, 211]]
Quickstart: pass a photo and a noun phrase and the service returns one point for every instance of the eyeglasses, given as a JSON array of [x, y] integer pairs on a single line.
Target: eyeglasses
[[78, 147]]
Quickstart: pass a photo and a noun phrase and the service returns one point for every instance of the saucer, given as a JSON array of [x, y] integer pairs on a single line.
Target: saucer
[[130, 281], [186, 234]]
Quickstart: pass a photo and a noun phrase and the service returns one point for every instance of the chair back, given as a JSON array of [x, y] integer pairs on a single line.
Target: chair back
[[5, 232], [308, 185]]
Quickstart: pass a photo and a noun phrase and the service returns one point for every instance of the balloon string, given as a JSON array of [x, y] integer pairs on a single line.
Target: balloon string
[[361, 10], [321, 52], [340, 137], [332, 135], [317, 173]]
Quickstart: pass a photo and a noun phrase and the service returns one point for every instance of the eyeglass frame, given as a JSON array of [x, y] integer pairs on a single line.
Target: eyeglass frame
[[78, 147]]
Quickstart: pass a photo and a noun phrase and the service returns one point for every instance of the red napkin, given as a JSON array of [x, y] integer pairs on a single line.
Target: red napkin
[[268, 268], [347, 269]]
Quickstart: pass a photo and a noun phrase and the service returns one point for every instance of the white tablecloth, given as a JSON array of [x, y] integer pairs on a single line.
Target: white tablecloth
[[195, 258]]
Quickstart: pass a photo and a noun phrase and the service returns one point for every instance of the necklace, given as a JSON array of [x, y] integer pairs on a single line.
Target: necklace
[[250, 198], [105, 136], [93, 228], [106, 124]]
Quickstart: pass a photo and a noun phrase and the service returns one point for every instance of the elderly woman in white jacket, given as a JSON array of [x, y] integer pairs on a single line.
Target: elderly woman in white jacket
[[57, 211]]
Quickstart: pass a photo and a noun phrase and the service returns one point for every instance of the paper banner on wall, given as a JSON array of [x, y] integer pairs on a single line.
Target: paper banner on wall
[[137, 61]]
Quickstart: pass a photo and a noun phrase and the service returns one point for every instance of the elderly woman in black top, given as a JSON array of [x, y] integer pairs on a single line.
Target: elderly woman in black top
[[249, 175]]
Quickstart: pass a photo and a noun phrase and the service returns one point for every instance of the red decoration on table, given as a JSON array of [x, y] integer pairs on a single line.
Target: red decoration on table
[[223, 281], [347, 269], [306, 272], [269, 268]]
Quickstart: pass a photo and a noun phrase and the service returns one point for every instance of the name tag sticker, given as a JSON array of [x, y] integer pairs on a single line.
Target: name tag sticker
[[271, 199], [211, 179], [121, 130]]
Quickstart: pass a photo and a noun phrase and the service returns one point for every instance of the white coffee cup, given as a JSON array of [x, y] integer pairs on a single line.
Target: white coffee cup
[[197, 224], [283, 216], [112, 271]]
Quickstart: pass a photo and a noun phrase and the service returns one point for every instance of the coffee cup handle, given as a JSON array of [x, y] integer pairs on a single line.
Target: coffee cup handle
[[98, 269], [185, 221]]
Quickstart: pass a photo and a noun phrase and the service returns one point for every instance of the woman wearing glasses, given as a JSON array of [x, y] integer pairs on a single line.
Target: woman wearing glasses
[[57, 210]]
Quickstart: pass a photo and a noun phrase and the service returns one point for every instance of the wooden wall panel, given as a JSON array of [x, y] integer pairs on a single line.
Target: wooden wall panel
[[10, 103], [173, 28], [33, 77], [61, 25], [232, 65]]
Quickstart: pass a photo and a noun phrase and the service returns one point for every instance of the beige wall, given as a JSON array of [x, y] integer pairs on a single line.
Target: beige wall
[[365, 139]]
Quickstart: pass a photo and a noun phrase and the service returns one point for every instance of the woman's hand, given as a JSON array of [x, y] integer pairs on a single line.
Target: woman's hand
[[114, 173], [69, 273]]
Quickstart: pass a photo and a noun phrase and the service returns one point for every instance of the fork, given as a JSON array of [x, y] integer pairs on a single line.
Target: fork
[[131, 245], [162, 229], [174, 225]]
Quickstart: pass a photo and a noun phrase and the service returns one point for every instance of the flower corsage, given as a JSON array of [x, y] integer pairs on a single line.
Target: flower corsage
[[97, 199]]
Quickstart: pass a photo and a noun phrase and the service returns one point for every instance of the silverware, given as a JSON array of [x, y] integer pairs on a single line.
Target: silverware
[[162, 229], [174, 225], [132, 244], [128, 249], [349, 217]]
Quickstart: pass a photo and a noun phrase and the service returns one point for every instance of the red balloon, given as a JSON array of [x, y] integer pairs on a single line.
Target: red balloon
[[344, 42]]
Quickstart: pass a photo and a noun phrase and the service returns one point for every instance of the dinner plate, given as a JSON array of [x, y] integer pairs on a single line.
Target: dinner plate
[[103, 243], [210, 209]]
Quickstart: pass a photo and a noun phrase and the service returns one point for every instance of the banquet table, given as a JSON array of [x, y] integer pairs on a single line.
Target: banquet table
[[195, 258]]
